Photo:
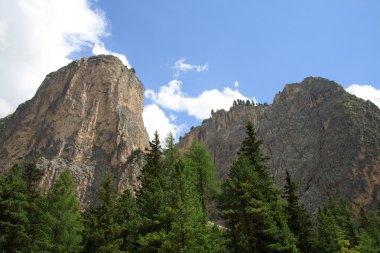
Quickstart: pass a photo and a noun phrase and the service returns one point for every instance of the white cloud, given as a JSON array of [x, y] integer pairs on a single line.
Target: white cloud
[[5, 108], [156, 120], [170, 96], [366, 92], [236, 84], [38, 37], [181, 66], [99, 48]]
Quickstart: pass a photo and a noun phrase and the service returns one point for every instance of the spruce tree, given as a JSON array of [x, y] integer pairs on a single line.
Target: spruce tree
[[252, 206], [14, 222], [299, 221], [189, 230], [103, 232], [38, 212], [335, 224], [199, 160], [64, 215], [152, 199], [126, 216], [369, 232], [187, 217]]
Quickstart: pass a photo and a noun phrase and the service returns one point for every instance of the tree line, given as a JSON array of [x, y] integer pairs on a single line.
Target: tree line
[[174, 208]]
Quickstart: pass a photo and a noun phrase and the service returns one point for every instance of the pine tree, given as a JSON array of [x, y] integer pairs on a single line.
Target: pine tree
[[252, 206], [103, 232], [64, 216], [152, 200], [369, 232], [189, 231], [335, 224], [37, 211], [187, 217], [200, 161], [14, 222], [299, 221], [126, 216]]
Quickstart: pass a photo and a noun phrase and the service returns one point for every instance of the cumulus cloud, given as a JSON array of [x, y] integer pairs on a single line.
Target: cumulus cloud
[[170, 96], [182, 67], [366, 92], [236, 84], [99, 48], [38, 37], [155, 119]]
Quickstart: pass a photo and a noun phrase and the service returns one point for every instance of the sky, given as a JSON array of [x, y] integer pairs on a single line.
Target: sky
[[193, 56]]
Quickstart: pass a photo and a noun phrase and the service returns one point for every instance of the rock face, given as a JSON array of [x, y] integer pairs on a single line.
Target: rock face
[[87, 117], [328, 139]]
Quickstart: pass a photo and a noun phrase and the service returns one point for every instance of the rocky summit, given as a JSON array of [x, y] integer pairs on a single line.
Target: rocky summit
[[328, 139], [87, 117]]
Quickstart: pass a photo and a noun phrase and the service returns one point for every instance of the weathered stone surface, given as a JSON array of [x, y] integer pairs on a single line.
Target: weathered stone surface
[[327, 138], [86, 116]]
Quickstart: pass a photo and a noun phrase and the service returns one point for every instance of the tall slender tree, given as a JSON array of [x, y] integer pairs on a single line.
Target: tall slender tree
[[102, 231], [299, 221], [128, 220], [369, 231], [252, 205], [335, 226], [38, 211], [14, 222], [207, 185], [65, 220], [152, 199]]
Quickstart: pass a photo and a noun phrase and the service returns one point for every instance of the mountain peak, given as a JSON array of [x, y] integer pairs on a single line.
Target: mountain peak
[[328, 139], [86, 116]]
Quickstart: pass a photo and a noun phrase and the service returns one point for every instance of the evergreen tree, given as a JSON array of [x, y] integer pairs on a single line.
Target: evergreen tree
[[14, 222], [335, 224], [103, 232], [64, 216], [38, 212], [200, 161], [252, 206], [152, 200], [369, 232], [189, 231], [298, 220], [187, 217], [126, 216]]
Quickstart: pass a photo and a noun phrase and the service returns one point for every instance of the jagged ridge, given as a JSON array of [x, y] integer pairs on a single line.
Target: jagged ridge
[[327, 138]]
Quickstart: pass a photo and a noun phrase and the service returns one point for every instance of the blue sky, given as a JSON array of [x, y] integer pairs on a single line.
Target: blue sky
[[247, 49]]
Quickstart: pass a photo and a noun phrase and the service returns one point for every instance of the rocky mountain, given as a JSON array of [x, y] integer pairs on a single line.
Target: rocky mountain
[[86, 116], [328, 139]]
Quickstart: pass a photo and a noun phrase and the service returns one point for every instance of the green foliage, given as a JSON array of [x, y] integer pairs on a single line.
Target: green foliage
[[187, 219], [252, 206], [335, 223], [105, 225], [152, 199], [38, 210], [369, 232], [169, 213], [14, 222], [126, 216], [345, 247], [64, 216], [299, 221], [202, 165]]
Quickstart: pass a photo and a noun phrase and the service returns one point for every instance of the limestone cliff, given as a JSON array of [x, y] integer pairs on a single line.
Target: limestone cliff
[[87, 116], [327, 138]]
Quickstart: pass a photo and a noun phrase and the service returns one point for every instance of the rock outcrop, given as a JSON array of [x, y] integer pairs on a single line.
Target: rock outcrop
[[328, 139], [87, 116]]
